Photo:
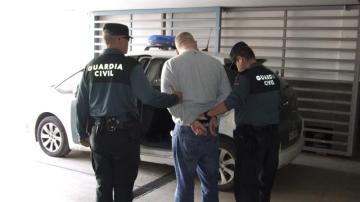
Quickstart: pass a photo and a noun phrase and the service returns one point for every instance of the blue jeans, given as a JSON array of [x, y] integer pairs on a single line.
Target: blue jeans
[[195, 154]]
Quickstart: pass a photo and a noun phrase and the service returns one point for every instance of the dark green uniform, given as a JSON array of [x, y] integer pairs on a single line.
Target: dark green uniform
[[107, 95], [255, 97]]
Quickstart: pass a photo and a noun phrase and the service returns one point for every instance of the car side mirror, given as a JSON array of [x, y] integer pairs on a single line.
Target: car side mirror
[[75, 90]]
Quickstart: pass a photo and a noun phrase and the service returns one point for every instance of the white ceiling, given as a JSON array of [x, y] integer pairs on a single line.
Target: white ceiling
[[139, 4], [91, 5]]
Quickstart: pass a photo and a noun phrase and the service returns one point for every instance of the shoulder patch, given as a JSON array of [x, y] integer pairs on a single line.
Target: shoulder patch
[[262, 80]]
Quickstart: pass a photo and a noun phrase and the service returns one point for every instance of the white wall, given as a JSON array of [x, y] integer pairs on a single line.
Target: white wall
[[38, 47]]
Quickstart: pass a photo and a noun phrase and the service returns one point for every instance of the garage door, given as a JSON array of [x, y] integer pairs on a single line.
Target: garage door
[[315, 48]]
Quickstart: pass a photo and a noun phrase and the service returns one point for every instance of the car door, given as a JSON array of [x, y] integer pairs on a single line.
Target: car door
[[70, 86], [153, 71], [153, 74]]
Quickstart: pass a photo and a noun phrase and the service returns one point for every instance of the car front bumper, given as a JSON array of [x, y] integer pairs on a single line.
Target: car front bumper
[[289, 154]]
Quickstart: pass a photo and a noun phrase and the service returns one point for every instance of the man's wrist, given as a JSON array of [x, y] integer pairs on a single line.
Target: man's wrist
[[176, 98], [207, 116]]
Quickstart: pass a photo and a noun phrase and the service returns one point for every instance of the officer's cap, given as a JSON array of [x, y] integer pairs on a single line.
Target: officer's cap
[[236, 49], [117, 29]]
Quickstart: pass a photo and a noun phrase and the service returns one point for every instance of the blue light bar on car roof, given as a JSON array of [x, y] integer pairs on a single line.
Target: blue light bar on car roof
[[159, 40]]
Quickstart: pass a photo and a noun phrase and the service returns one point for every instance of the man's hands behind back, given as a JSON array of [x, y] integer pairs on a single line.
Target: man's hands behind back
[[201, 125]]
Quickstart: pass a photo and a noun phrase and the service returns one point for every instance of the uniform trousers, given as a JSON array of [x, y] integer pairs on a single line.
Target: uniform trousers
[[115, 159], [257, 151]]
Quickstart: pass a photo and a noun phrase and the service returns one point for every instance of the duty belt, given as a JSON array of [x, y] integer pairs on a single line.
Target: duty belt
[[259, 128], [111, 124]]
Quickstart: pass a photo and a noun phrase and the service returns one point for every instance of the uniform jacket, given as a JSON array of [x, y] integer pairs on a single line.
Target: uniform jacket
[[255, 97], [110, 85]]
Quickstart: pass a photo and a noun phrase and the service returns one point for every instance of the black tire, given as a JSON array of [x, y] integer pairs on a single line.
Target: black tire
[[52, 137], [227, 157]]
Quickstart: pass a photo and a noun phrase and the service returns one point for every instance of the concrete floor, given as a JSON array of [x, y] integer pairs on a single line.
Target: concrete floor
[[27, 174]]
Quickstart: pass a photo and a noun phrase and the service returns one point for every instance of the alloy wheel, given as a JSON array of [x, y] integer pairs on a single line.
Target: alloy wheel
[[226, 167]]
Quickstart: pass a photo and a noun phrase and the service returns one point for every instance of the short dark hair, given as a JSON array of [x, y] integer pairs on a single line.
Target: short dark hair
[[115, 29], [243, 50]]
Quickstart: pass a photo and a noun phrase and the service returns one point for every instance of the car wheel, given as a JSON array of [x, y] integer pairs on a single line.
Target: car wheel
[[52, 137], [226, 163]]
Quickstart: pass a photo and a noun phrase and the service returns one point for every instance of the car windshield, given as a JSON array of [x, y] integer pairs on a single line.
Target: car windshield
[[69, 85]]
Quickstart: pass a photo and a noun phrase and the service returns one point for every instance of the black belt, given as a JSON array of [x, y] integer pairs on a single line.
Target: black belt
[[112, 124], [259, 128]]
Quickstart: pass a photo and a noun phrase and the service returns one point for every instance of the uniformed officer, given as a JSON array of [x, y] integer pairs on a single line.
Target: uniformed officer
[[106, 105], [255, 97]]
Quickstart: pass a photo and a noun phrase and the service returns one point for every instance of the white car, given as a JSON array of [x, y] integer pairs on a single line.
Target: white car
[[53, 124]]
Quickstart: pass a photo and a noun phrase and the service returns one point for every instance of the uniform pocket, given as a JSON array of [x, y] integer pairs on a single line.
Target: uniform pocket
[[93, 139]]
